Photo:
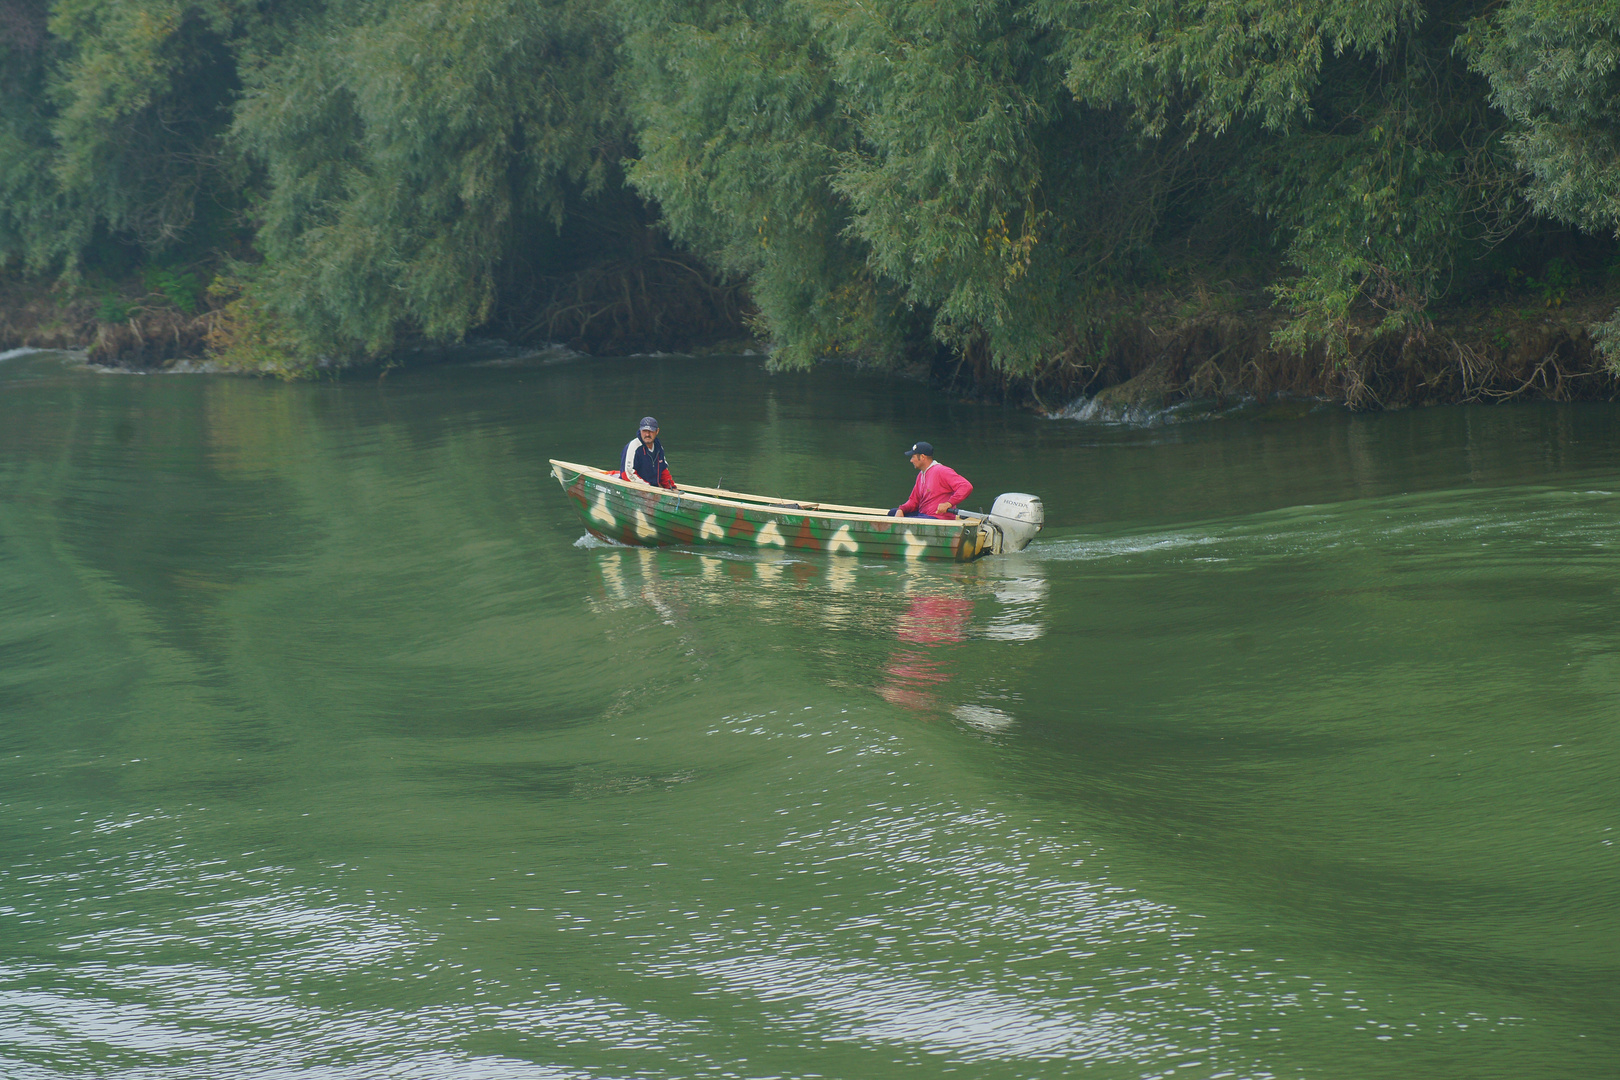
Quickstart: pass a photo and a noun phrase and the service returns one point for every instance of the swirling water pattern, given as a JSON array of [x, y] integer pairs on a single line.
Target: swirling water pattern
[[1288, 750]]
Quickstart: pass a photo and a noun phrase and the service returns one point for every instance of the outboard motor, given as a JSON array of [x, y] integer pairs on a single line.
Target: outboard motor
[[1017, 518]]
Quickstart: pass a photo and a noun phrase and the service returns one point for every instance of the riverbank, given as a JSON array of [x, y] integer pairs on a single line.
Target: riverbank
[[1519, 348], [115, 328], [1198, 347]]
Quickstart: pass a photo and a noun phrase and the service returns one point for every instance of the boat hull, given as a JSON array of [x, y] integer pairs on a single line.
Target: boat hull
[[631, 513]]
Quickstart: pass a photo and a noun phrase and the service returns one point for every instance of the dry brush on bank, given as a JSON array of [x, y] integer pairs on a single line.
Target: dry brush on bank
[[111, 330]]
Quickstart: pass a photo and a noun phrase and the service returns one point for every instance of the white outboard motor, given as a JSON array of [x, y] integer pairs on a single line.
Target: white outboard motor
[[1017, 518]]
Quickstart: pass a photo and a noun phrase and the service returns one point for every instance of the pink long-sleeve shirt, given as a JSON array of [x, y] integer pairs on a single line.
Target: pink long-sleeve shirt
[[936, 484]]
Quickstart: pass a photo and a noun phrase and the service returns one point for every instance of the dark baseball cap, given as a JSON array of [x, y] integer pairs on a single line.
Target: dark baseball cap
[[921, 448], [649, 424]]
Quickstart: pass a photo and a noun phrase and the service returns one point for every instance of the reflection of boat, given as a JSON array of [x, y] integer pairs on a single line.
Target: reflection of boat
[[615, 509]]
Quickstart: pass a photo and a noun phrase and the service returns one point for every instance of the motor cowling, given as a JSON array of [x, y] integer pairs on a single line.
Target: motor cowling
[[1017, 518]]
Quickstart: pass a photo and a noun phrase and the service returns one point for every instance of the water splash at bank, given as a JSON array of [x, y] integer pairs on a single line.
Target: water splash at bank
[[1099, 410]]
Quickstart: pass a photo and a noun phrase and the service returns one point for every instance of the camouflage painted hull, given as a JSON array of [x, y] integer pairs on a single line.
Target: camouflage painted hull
[[613, 509]]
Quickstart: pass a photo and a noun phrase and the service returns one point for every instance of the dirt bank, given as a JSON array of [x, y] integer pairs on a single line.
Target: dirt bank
[[150, 334]]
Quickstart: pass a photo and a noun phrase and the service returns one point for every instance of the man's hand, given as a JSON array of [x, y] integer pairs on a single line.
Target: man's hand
[[943, 510]]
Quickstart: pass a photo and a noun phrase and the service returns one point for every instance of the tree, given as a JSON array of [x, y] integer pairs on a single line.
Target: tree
[[1368, 143], [112, 123], [740, 131], [887, 177], [1554, 70], [408, 148]]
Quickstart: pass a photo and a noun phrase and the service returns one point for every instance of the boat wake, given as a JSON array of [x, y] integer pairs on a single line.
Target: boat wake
[[591, 543], [1484, 522]]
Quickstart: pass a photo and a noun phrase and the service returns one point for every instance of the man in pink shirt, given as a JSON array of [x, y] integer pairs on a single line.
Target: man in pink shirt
[[939, 489]]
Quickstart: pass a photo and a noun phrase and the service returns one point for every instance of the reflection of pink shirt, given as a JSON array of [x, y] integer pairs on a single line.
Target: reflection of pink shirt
[[936, 484], [934, 620]]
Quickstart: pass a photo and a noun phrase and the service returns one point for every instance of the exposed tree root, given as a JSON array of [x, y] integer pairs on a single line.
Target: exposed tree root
[[628, 305], [636, 294]]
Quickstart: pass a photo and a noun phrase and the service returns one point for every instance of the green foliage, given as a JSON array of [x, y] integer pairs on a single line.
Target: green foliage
[[1206, 66], [114, 309], [740, 133], [116, 122], [1555, 282], [945, 184], [1002, 173], [249, 336], [1554, 70], [998, 182], [1366, 139], [139, 100], [37, 221], [179, 287], [889, 176], [409, 146], [1377, 210]]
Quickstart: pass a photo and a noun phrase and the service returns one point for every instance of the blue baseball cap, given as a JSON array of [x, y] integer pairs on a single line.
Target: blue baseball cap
[[921, 448], [649, 424]]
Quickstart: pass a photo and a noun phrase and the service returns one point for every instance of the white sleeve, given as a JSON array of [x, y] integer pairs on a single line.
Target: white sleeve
[[630, 460]]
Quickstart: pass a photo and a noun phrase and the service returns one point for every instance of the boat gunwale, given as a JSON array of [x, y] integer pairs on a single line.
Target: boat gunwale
[[758, 502]]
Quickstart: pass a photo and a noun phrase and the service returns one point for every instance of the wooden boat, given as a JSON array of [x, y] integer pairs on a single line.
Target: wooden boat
[[634, 513]]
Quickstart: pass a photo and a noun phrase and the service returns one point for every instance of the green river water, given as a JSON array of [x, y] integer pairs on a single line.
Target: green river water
[[1291, 748]]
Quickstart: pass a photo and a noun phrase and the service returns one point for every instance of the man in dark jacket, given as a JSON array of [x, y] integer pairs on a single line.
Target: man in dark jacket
[[644, 457]]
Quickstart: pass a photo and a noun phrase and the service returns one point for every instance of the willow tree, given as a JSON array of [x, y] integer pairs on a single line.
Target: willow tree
[[409, 148], [33, 226], [998, 172], [1554, 70], [998, 181], [887, 175], [111, 124], [1370, 144], [371, 170], [740, 133]]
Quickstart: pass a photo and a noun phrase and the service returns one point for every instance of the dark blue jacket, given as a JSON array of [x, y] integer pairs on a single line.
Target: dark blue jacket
[[646, 465]]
